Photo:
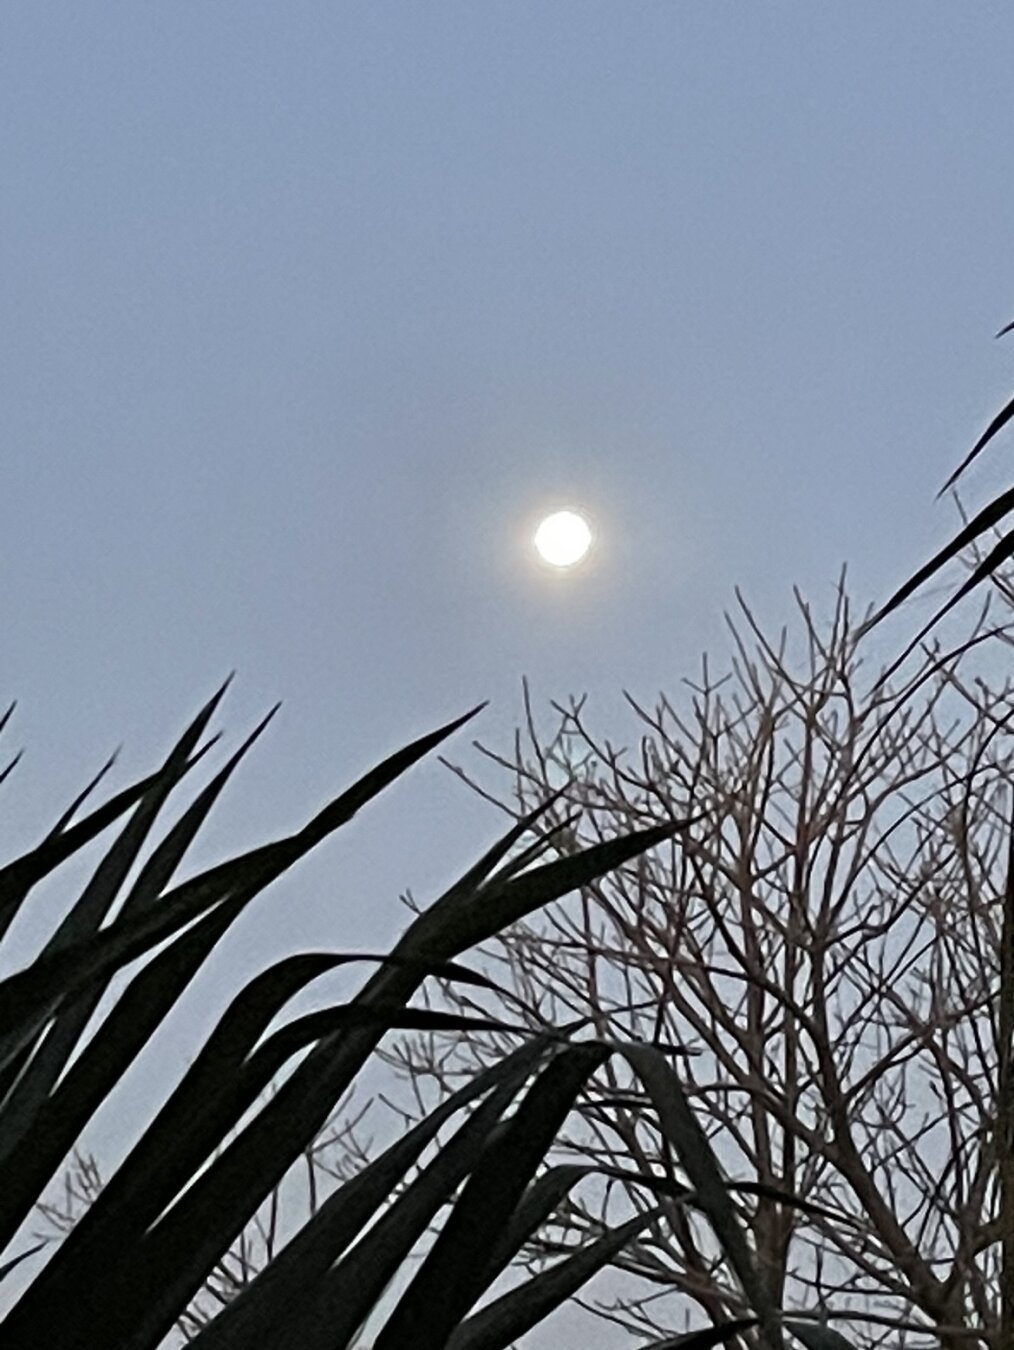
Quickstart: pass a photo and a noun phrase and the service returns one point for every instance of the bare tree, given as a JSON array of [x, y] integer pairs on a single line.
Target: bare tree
[[824, 956]]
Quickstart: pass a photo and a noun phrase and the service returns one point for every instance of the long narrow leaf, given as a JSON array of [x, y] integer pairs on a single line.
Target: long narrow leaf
[[989, 516], [329, 1314], [817, 1337], [68, 815], [30, 993], [474, 919], [9, 767], [159, 869], [304, 1261], [215, 1208], [18, 877], [536, 1206], [15, 1261], [80, 1276], [137, 1014], [506, 1319], [684, 1133], [996, 425], [83, 920], [705, 1339], [204, 1107], [452, 1276]]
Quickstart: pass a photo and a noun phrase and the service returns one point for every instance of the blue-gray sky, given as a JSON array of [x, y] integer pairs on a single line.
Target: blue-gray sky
[[310, 308]]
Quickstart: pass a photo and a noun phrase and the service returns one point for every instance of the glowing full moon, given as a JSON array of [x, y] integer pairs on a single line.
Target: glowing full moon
[[563, 538]]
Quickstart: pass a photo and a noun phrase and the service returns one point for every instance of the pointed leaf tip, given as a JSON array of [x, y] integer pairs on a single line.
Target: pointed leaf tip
[[998, 423]]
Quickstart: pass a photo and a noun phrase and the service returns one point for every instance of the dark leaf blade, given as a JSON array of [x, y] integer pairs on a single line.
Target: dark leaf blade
[[684, 1133], [200, 1112], [452, 1275], [512, 1316], [96, 900], [29, 996], [344, 807], [998, 554], [989, 516], [62, 1038], [148, 1171], [817, 1337], [259, 1149], [313, 1251], [705, 1339], [183, 1136], [536, 1206], [159, 869], [68, 815], [229, 1191], [81, 922], [18, 877], [141, 1008], [290, 1039], [996, 425], [467, 885], [475, 919], [9, 767], [330, 1313]]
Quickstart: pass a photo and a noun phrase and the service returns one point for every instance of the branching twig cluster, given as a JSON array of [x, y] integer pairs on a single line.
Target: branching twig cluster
[[821, 954]]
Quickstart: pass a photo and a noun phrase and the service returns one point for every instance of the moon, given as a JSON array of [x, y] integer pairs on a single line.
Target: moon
[[563, 538]]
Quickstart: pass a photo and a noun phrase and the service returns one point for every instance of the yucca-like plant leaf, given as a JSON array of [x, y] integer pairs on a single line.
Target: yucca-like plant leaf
[[15, 760], [304, 1261], [60, 1120], [223, 1082], [539, 1202], [99, 1292], [705, 1339], [502, 1322], [37, 1153], [96, 900], [232, 884], [454, 1272], [209, 1216], [330, 1313], [18, 878], [186, 1189], [985, 520], [32, 993], [817, 1337], [63, 1036], [466, 919], [67, 816], [690, 1144], [996, 425]]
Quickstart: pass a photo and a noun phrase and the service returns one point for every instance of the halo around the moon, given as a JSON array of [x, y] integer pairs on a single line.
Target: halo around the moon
[[563, 538]]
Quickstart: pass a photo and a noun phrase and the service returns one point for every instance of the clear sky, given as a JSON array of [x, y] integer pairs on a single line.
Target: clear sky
[[309, 309]]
